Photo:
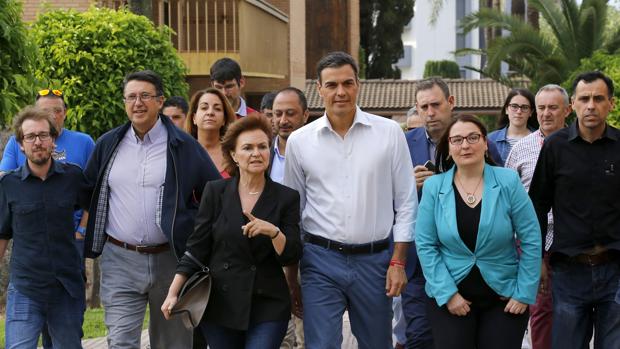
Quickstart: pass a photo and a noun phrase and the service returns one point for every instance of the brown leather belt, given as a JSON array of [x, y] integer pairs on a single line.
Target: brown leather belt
[[592, 259], [140, 249]]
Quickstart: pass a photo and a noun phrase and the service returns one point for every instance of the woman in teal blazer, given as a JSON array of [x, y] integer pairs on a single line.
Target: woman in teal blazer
[[468, 224]]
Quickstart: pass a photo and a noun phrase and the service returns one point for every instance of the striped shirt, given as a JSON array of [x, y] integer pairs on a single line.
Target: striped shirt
[[522, 158]]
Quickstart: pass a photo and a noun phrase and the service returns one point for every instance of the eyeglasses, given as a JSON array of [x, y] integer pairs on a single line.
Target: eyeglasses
[[31, 137], [144, 97], [472, 138], [514, 107]]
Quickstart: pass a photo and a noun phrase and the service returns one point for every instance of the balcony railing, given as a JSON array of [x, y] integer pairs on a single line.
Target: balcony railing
[[199, 25]]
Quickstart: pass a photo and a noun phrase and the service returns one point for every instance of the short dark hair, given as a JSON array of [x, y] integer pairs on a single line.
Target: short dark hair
[[532, 121], [591, 76], [225, 69], [267, 101], [177, 101], [251, 122], [428, 83], [335, 60], [36, 114], [443, 162], [229, 113], [302, 98], [146, 76]]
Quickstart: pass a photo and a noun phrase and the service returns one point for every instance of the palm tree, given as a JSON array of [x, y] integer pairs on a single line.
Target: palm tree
[[576, 32]]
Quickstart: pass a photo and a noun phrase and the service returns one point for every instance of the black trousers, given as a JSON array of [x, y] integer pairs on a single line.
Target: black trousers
[[484, 327]]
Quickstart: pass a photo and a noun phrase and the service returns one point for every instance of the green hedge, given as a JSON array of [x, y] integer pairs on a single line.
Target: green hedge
[[16, 57], [609, 64], [87, 55], [445, 69]]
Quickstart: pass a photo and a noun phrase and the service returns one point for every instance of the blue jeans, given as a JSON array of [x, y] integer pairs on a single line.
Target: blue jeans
[[583, 298], [25, 317], [332, 282], [264, 335]]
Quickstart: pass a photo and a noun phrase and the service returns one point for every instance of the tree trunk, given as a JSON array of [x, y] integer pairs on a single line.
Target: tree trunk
[[517, 8], [142, 7], [533, 16]]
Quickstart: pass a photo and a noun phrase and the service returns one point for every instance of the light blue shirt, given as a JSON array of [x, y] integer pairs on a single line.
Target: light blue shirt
[[277, 165], [136, 184]]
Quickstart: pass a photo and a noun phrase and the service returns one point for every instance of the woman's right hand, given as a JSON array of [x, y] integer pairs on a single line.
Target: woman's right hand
[[169, 303], [457, 305]]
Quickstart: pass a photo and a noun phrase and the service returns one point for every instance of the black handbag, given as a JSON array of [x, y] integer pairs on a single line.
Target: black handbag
[[194, 296]]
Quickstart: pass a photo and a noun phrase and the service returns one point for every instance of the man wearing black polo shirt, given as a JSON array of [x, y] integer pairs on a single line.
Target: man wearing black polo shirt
[[576, 176], [37, 201]]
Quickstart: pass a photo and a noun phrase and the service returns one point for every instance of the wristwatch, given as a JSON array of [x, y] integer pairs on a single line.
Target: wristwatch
[[81, 230]]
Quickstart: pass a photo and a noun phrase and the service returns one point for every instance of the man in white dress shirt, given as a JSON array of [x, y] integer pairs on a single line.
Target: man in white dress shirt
[[354, 175]]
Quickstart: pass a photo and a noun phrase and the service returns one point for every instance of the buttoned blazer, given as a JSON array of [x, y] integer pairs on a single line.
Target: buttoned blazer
[[418, 150], [506, 214], [248, 281]]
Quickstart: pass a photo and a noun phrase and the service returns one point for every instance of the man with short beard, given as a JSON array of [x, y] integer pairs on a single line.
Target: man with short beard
[[37, 201]]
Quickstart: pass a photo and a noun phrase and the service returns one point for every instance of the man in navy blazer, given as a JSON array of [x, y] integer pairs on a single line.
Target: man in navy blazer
[[434, 105]]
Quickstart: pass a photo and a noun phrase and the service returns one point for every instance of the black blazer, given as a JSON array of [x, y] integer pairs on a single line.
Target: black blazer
[[249, 286]]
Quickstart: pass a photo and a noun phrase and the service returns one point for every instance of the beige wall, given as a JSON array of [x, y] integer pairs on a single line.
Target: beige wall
[[354, 28], [297, 43], [33, 7], [263, 43]]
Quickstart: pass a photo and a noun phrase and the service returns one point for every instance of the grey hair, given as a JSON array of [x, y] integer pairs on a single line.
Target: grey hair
[[554, 87]]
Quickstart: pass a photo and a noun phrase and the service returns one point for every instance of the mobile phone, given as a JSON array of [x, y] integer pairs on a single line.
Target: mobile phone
[[429, 165]]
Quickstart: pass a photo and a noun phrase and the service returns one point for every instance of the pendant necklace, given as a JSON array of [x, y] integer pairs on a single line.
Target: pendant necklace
[[470, 197], [254, 192]]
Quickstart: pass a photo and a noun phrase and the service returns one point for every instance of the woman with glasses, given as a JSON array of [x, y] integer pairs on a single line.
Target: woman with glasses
[[468, 222], [518, 119], [210, 114]]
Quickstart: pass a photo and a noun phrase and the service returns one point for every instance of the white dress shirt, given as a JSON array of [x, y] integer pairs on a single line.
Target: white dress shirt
[[355, 189], [136, 187]]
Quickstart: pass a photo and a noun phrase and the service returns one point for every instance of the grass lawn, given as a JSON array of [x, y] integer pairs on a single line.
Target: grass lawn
[[93, 324]]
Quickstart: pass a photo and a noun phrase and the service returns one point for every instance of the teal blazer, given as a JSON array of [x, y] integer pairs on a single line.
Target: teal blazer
[[507, 214]]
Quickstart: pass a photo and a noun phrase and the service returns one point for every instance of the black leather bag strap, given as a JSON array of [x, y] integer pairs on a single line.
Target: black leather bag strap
[[197, 262]]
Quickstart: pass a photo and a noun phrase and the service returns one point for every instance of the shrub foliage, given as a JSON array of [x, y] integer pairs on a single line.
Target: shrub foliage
[[16, 57], [445, 69], [87, 55], [609, 64]]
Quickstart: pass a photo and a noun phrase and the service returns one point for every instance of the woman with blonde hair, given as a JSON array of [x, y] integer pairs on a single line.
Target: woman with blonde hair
[[209, 116]]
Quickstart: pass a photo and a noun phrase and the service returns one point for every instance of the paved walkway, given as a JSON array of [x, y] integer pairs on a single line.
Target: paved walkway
[[100, 343]]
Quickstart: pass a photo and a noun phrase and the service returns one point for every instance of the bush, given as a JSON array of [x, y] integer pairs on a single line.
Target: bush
[[609, 64], [87, 55], [16, 57], [445, 69]]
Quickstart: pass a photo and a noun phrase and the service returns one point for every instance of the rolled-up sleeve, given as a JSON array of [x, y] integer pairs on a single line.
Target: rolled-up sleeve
[[404, 191]]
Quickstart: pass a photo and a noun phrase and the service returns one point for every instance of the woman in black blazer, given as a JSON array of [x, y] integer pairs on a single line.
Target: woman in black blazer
[[247, 228]]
